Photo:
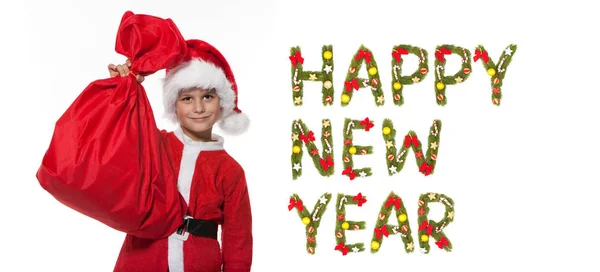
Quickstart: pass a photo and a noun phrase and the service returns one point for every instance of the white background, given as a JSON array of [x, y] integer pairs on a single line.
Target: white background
[[521, 175]]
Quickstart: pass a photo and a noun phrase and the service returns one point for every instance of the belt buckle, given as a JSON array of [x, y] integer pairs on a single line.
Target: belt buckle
[[181, 232]]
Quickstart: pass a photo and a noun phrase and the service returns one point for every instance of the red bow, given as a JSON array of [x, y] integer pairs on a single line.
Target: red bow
[[425, 225], [393, 201], [297, 58], [408, 139], [342, 248], [348, 171], [439, 54], [365, 54], [483, 55], [361, 200], [326, 163], [297, 204], [367, 123], [426, 168], [351, 84], [397, 54], [311, 137], [442, 242], [383, 230]]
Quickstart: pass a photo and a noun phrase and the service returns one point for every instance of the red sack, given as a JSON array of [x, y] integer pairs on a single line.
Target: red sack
[[107, 159]]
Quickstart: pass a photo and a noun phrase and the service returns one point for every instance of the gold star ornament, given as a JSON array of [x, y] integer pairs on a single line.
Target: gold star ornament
[[451, 215], [434, 145], [431, 196]]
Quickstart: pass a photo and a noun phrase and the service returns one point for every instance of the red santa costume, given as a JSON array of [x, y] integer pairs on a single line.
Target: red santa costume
[[108, 160], [210, 181]]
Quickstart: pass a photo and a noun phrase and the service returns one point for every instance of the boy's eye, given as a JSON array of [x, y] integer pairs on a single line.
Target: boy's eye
[[208, 96], [187, 98]]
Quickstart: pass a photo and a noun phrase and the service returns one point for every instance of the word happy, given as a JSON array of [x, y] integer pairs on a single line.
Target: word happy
[[364, 57]]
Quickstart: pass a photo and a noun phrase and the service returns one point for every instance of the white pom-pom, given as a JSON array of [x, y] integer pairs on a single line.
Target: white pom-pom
[[235, 123]]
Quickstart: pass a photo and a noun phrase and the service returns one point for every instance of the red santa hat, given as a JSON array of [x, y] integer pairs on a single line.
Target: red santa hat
[[205, 67]]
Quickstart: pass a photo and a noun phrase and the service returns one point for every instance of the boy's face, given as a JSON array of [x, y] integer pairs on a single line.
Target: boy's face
[[198, 110]]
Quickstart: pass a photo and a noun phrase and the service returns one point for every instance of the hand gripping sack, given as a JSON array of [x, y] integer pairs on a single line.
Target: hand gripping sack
[[106, 158]]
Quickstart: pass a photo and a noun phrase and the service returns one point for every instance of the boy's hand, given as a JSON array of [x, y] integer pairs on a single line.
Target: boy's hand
[[122, 70]]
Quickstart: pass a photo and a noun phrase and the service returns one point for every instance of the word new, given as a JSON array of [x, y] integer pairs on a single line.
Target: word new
[[324, 163], [352, 83], [427, 228]]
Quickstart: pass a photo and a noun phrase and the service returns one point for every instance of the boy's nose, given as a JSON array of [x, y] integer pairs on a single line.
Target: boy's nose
[[199, 107]]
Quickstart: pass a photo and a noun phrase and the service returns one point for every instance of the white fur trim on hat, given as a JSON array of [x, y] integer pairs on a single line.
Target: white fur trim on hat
[[201, 74], [235, 123]]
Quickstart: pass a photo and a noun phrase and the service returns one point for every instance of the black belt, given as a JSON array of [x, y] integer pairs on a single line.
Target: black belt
[[199, 227]]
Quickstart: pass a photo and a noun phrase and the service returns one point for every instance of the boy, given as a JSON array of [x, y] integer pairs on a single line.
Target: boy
[[197, 94]]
